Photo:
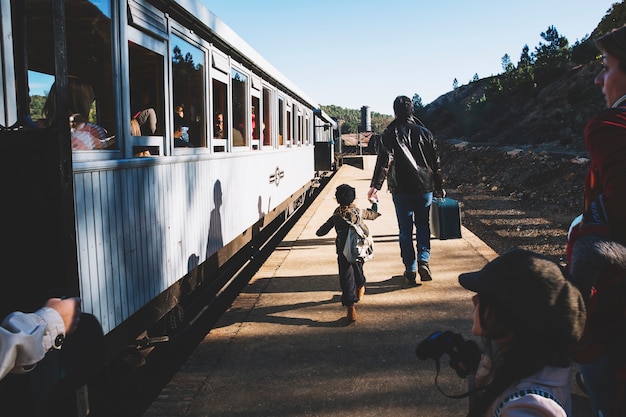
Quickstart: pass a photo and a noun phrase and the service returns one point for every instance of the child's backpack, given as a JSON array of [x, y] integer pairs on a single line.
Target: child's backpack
[[359, 245]]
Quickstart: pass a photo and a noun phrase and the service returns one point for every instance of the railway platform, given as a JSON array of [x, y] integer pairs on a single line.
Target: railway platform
[[284, 347]]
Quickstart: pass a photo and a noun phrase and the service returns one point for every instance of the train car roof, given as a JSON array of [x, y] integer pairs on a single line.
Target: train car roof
[[200, 14]]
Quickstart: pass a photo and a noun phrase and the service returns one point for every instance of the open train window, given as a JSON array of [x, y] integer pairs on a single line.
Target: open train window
[[89, 89], [256, 127], [238, 98], [266, 126], [220, 115], [307, 129], [146, 58], [289, 127], [298, 125], [281, 121], [189, 127]]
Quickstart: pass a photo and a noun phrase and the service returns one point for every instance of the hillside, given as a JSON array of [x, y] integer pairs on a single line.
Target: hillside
[[555, 116], [519, 178], [517, 165]]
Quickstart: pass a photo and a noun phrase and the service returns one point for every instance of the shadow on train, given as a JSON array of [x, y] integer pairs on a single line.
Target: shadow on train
[[129, 385]]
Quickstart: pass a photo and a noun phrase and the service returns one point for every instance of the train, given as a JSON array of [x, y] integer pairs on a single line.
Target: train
[[191, 151]]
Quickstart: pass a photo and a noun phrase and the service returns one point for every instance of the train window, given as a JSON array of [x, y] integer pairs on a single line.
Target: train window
[[239, 102], [266, 126], [91, 117], [281, 121], [256, 127], [146, 97], [289, 127], [188, 94], [299, 126], [220, 115], [307, 128]]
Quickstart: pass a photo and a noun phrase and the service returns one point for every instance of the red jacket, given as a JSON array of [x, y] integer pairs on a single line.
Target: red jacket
[[605, 139]]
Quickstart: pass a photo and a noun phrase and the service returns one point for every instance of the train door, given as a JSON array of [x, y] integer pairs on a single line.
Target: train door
[[50, 70]]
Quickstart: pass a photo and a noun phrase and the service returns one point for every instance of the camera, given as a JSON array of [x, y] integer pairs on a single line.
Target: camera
[[464, 354]]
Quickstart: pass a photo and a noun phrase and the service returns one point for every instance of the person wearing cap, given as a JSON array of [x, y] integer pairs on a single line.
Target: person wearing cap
[[596, 245], [411, 148], [528, 315], [351, 276]]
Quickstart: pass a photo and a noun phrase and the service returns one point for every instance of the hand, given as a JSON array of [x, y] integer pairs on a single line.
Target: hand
[[69, 309], [372, 194], [466, 360], [439, 193]]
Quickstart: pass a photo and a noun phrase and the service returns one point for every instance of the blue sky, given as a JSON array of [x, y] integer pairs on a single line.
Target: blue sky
[[355, 53]]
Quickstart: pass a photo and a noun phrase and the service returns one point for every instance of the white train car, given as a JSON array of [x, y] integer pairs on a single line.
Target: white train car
[[144, 145]]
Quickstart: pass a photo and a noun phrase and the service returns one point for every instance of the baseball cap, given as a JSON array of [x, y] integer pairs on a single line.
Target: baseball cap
[[536, 290]]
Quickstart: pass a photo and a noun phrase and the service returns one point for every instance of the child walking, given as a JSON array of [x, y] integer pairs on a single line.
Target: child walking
[[351, 277]]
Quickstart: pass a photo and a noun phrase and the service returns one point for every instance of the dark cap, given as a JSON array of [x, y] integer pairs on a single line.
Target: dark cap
[[536, 290], [345, 194]]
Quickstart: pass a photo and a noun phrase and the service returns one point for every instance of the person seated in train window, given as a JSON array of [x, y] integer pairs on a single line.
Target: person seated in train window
[[254, 132], [85, 134], [218, 129], [143, 112], [135, 130], [181, 128], [238, 139], [253, 124]]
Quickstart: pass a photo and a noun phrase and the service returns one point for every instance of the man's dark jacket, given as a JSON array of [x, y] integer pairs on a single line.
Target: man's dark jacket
[[415, 136]]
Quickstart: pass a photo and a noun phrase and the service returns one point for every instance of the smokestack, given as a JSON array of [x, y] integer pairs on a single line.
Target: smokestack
[[366, 119]]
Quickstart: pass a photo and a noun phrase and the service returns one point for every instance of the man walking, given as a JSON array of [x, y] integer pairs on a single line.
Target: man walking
[[409, 160]]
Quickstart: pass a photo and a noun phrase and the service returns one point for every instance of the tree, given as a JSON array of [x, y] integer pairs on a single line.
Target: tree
[[584, 51], [551, 58], [476, 77], [455, 84], [525, 60], [507, 65], [418, 107]]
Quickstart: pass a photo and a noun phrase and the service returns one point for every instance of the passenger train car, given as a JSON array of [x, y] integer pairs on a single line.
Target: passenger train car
[[109, 193]]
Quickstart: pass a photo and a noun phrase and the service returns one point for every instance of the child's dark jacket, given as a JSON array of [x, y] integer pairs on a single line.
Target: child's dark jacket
[[341, 219]]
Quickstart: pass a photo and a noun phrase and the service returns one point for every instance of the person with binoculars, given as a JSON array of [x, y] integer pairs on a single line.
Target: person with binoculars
[[528, 315]]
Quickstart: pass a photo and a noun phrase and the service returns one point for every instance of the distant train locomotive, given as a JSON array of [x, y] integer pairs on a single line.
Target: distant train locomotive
[[189, 147]]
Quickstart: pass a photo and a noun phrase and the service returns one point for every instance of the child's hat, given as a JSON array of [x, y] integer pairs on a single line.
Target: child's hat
[[345, 194]]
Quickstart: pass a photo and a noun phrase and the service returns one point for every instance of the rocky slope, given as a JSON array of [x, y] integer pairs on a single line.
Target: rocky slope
[[515, 197]]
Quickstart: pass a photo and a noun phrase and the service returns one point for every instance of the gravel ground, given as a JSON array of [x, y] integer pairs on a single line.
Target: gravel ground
[[517, 197]]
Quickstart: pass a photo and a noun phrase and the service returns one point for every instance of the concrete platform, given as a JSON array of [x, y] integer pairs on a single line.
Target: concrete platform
[[285, 349]]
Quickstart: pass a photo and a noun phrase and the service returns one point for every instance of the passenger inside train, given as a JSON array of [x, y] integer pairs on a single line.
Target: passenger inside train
[[181, 128], [86, 134], [143, 112]]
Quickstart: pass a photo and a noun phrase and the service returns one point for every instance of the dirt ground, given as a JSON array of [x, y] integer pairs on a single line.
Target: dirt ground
[[516, 197]]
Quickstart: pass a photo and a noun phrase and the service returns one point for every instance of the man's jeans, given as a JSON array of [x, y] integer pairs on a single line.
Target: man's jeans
[[413, 209]]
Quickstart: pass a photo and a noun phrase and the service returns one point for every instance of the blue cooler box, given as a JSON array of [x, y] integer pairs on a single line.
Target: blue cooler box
[[445, 218]]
